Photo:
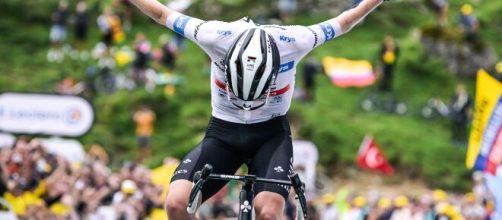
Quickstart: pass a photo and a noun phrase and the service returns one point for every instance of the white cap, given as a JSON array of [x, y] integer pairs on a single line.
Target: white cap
[[128, 186]]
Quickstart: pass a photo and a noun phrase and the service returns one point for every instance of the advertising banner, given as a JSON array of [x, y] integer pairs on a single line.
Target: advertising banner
[[485, 141], [45, 114]]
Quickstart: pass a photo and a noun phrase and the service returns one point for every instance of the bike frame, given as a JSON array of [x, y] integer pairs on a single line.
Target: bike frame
[[246, 195]]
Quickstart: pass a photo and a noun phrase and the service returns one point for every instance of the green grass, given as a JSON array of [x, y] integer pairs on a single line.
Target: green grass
[[418, 148]]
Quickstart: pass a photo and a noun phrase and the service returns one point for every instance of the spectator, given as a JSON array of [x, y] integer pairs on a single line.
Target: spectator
[[357, 209], [128, 12], [498, 71], [469, 23], [402, 210], [58, 32], [127, 201], [66, 86], [441, 9], [144, 118], [328, 209], [110, 26], [142, 49], [310, 68], [472, 210], [81, 28], [389, 55], [459, 112], [97, 153], [383, 211], [287, 9], [169, 51]]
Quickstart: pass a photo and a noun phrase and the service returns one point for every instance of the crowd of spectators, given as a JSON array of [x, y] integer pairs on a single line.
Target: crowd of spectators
[[114, 61], [42, 185], [432, 205]]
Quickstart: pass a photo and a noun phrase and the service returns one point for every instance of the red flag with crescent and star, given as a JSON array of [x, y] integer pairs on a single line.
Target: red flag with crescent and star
[[371, 157]]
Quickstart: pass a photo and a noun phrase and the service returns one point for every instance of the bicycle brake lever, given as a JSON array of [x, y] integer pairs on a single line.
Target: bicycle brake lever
[[196, 177], [206, 170], [299, 187], [195, 193], [199, 178]]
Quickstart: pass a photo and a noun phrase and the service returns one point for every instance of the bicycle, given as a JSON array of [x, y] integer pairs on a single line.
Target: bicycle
[[246, 195], [385, 102], [435, 109]]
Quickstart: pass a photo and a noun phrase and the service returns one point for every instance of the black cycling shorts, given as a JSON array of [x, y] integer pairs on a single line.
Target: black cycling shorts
[[265, 148]]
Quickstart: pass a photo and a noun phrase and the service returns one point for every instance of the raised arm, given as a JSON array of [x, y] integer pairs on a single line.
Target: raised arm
[[351, 17], [323, 32], [154, 10]]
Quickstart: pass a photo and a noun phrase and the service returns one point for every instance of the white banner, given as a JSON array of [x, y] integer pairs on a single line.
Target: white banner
[[7, 141], [72, 150], [25, 113]]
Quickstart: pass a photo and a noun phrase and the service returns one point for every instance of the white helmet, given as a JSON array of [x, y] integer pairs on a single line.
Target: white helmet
[[251, 65]]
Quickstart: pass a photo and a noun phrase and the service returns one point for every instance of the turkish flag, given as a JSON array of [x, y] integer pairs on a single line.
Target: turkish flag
[[372, 158]]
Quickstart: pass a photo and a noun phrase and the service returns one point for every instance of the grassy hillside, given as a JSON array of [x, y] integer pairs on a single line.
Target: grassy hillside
[[418, 148]]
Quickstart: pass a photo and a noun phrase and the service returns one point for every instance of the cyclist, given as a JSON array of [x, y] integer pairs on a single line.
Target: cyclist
[[252, 80]]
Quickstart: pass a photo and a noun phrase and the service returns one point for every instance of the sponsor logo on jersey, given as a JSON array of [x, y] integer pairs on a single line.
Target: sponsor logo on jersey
[[276, 100], [279, 169], [220, 65], [329, 31], [180, 172], [224, 33], [180, 24], [287, 39], [286, 67], [284, 187], [275, 115], [273, 27], [222, 93]]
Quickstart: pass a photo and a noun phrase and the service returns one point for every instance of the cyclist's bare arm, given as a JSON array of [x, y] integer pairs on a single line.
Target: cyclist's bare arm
[[154, 10], [325, 31], [351, 17]]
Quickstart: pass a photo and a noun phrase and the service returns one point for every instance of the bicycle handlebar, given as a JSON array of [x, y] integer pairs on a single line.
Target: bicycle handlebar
[[206, 173]]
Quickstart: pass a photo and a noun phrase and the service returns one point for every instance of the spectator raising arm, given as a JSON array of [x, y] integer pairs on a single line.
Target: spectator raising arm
[[154, 10]]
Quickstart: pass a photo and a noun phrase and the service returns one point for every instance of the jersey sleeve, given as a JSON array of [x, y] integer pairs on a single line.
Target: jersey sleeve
[[184, 25], [211, 36], [326, 31], [307, 38]]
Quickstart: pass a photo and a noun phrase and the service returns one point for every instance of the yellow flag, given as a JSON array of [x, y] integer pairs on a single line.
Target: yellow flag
[[488, 93], [162, 175]]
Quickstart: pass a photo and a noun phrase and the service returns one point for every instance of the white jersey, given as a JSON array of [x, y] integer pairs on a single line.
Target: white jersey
[[216, 37]]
